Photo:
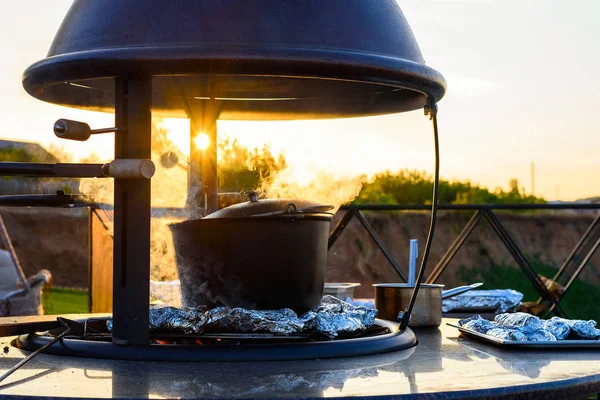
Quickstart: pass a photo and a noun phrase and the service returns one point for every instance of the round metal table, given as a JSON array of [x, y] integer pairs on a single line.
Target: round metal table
[[443, 365]]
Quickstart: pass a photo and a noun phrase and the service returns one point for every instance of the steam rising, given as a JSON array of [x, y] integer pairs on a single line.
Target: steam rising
[[170, 189], [321, 186]]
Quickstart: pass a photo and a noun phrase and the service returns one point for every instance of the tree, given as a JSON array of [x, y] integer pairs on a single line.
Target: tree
[[240, 168]]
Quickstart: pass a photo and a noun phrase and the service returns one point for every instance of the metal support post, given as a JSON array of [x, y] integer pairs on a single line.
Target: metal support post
[[522, 261], [203, 162], [381, 246], [575, 275], [339, 227], [573, 256], [456, 245], [131, 271]]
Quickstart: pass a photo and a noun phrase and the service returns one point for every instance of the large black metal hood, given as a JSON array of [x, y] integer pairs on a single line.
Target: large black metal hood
[[253, 59]]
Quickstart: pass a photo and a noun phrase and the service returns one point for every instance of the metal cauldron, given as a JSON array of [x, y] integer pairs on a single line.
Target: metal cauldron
[[262, 254]]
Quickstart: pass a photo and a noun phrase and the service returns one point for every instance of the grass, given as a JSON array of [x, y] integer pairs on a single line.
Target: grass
[[65, 301], [581, 301]]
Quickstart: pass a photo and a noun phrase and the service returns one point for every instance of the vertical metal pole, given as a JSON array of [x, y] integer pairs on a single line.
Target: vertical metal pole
[[209, 167], [203, 166], [90, 257], [131, 268], [194, 174]]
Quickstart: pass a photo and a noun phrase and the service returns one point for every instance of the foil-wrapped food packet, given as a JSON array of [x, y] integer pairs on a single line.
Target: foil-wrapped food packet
[[333, 317], [522, 321], [240, 320], [500, 300], [527, 327], [477, 324], [507, 334], [578, 328]]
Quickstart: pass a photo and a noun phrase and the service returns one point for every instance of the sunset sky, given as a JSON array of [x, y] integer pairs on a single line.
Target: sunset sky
[[523, 86]]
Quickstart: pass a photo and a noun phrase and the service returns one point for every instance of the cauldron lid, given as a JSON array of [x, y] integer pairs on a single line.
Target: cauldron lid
[[270, 208]]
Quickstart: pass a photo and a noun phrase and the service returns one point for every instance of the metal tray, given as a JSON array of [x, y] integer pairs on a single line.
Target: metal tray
[[515, 344]]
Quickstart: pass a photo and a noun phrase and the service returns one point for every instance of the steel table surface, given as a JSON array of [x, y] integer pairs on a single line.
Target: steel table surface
[[442, 365]]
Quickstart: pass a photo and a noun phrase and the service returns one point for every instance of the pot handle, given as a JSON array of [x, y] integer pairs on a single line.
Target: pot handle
[[446, 294]]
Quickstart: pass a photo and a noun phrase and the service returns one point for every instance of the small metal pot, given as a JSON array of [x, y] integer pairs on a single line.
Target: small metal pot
[[262, 254], [392, 298]]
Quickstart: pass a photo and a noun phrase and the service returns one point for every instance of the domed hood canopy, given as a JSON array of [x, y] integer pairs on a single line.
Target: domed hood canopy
[[259, 59]]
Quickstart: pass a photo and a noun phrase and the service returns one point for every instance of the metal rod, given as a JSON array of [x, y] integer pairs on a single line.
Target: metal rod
[[584, 238], [90, 243], [575, 275], [454, 247], [132, 213], [522, 261], [339, 228], [381, 246], [413, 254], [35, 353], [209, 168], [105, 130], [57, 170], [43, 200], [431, 109], [577, 247], [400, 207]]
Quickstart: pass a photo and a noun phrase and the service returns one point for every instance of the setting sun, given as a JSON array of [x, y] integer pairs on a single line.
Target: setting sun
[[202, 141]]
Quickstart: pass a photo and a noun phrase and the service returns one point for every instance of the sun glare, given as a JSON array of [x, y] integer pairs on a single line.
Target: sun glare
[[201, 141]]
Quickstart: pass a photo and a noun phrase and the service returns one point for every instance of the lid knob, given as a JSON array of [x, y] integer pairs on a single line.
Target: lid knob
[[252, 195]]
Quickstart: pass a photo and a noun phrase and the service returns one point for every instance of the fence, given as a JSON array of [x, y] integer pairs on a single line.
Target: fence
[[566, 274]]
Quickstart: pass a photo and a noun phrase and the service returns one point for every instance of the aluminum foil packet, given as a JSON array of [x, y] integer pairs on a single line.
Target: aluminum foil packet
[[527, 327], [240, 320], [502, 300], [334, 317], [577, 328], [559, 327], [521, 321], [507, 334], [178, 320], [331, 318], [477, 323]]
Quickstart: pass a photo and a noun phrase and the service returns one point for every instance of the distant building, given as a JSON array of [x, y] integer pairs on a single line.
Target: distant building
[[19, 151]]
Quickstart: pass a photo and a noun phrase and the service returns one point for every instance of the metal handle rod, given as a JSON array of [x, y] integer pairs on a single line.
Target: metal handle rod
[[432, 110], [57, 170], [119, 169], [446, 294], [35, 353]]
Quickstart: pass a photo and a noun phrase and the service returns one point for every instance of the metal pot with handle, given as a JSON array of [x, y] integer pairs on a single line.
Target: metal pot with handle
[[261, 254], [392, 298]]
